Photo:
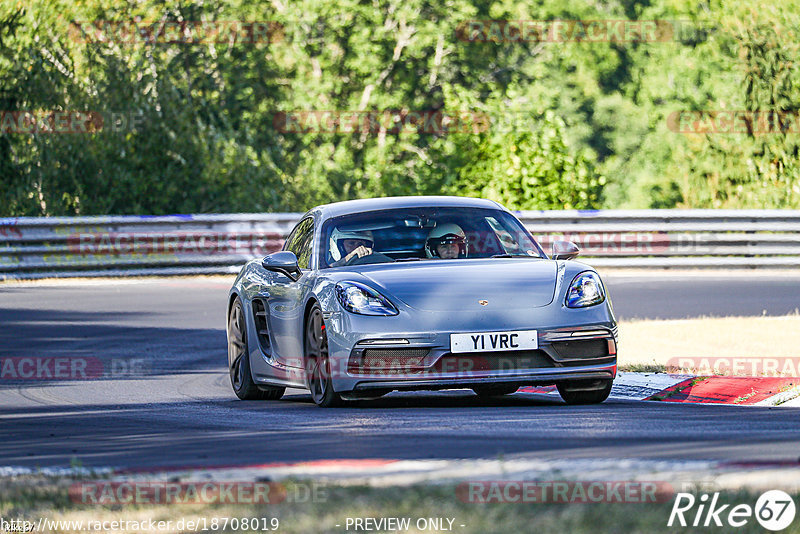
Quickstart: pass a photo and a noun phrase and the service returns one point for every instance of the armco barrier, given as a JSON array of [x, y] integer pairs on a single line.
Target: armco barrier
[[208, 244], [674, 238], [137, 245]]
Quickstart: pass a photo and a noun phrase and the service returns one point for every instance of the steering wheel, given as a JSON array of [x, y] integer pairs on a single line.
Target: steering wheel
[[375, 257]]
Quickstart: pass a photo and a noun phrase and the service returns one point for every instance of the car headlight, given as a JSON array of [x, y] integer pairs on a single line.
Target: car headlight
[[586, 289], [362, 299]]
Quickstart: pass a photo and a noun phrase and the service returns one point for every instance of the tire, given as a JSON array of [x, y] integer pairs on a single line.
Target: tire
[[584, 391], [496, 390], [317, 361], [239, 360]]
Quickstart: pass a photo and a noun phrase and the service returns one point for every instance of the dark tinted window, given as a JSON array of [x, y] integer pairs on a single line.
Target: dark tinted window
[[399, 234], [299, 242]]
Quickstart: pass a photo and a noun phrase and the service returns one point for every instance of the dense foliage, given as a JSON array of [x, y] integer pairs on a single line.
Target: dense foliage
[[195, 127]]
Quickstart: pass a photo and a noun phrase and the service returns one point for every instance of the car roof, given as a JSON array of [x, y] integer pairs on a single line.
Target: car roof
[[384, 203]]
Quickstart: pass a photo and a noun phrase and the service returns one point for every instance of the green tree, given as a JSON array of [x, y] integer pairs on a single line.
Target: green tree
[[530, 170]]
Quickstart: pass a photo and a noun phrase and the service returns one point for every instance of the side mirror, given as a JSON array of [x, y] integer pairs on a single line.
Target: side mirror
[[565, 250], [284, 262]]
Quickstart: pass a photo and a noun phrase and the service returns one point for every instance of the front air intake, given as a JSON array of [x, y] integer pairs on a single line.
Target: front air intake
[[582, 348], [388, 361]]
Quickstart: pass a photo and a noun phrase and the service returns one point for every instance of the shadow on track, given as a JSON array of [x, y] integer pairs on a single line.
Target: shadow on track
[[125, 351]]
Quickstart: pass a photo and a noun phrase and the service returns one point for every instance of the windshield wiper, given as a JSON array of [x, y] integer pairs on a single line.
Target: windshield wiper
[[506, 255], [406, 259]]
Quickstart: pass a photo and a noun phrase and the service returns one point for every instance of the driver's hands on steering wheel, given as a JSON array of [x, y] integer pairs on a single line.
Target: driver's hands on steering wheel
[[359, 252]]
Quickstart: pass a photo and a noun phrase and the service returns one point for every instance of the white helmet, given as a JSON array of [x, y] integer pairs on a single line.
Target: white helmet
[[338, 237], [446, 233]]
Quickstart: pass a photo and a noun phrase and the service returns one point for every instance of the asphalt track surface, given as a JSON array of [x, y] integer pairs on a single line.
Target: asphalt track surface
[[177, 408]]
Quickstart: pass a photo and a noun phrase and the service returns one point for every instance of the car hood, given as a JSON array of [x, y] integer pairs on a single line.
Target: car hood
[[459, 285]]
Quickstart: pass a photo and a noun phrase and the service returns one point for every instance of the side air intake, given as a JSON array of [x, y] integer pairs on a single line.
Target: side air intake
[[260, 315]]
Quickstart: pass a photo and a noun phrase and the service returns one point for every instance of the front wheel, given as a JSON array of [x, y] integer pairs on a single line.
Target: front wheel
[[239, 360], [585, 391], [317, 363]]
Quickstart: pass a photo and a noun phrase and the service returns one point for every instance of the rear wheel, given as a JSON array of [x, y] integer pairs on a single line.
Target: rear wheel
[[317, 363], [239, 360], [495, 390], [584, 391]]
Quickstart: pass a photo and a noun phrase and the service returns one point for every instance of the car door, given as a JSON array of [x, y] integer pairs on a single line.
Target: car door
[[285, 299]]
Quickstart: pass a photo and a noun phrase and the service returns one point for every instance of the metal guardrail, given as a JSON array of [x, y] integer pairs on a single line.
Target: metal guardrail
[[674, 238], [212, 244], [137, 245]]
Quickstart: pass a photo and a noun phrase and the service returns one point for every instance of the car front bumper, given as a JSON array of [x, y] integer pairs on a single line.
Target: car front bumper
[[418, 360], [523, 379]]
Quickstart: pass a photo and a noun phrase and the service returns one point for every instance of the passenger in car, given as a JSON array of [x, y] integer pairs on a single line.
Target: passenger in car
[[446, 241]]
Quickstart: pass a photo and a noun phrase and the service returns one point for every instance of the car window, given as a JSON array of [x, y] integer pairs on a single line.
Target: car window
[[505, 236], [300, 241], [413, 233]]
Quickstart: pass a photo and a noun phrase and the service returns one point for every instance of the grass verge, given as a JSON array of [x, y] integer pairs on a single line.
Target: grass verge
[[32, 498], [654, 346]]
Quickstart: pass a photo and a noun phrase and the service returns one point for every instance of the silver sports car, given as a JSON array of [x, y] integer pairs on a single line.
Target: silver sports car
[[410, 293]]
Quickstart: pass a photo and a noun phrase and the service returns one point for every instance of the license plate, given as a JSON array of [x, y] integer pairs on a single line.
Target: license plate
[[494, 341]]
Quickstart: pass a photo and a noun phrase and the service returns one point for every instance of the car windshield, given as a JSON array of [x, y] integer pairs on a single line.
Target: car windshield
[[415, 234]]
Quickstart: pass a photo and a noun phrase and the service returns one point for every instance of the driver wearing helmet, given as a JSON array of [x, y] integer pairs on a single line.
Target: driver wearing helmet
[[446, 241], [351, 244]]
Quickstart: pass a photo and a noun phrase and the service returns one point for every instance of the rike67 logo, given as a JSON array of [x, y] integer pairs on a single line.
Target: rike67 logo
[[774, 510]]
